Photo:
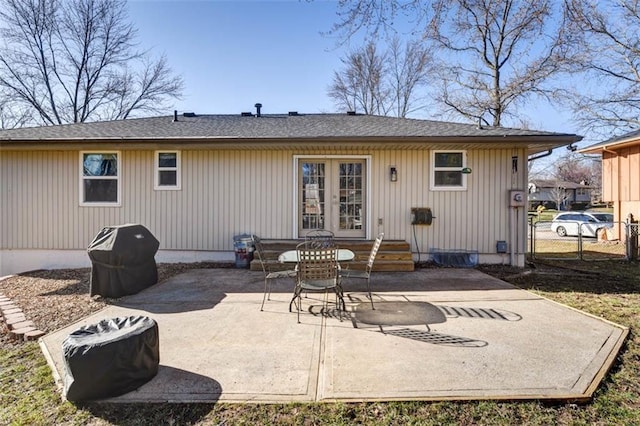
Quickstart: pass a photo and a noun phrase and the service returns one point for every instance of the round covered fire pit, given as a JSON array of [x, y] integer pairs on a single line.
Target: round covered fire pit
[[110, 358]]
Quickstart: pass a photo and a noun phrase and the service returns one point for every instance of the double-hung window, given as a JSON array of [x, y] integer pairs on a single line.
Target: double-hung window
[[447, 172], [100, 178], [167, 170]]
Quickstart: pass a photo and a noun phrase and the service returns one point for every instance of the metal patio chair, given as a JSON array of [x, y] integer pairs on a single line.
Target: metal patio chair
[[320, 238], [267, 269], [366, 274], [317, 271]]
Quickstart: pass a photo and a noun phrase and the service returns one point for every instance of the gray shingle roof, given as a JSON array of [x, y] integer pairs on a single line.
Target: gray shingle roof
[[550, 183], [271, 126], [612, 141]]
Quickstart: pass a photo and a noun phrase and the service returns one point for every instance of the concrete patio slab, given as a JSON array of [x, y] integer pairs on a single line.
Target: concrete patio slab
[[436, 334]]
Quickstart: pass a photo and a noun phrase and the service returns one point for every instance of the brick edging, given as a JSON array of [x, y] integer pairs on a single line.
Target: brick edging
[[20, 328]]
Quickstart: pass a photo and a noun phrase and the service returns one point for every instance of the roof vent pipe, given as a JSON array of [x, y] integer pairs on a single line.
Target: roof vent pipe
[[258, 106], [175, 115]]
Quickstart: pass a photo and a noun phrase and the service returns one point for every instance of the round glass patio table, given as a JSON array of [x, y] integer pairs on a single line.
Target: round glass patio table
[[291, 256]]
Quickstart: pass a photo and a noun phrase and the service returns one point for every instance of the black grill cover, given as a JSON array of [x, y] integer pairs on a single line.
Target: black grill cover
[[110, 358], [122, 260]]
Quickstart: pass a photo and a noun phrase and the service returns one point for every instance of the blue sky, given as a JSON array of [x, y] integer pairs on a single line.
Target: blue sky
[[232, 54]]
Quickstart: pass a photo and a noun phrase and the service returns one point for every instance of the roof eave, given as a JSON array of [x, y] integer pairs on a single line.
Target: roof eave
[[534, 143], [607, 146]]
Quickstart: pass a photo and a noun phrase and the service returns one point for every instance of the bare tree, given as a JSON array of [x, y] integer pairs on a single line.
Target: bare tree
[[76, 60], [579, 168], [559, 195], [12, 115], [495, 55], [360, 85], [607, 33], [382, 82], [410, 68]]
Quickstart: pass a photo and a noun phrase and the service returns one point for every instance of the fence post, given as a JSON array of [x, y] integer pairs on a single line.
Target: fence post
[[632, 238], [531, 236]]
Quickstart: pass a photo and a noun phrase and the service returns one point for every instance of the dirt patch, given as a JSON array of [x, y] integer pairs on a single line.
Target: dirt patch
[[573, 276], [53, 299]]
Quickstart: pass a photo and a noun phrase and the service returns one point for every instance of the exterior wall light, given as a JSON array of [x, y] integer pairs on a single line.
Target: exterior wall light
[[466, 171], [393, 174]]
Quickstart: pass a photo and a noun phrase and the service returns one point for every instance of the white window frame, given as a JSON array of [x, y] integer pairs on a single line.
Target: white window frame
[[434, 169], [158, 169], [117, 177]]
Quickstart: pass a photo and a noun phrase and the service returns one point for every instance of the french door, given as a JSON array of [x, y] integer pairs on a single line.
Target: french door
[[331, 196]]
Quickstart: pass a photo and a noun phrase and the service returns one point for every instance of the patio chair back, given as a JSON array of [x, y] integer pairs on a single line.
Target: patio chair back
[[320, 238], [317, 266], [269, 273], [366, 274], [317, 270], [374, 252], [259, 251]]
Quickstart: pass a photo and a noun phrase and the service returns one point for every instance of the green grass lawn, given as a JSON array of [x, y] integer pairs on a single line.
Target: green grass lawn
[[607, 289]]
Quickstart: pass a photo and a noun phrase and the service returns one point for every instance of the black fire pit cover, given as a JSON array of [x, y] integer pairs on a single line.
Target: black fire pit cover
[[110, 358]]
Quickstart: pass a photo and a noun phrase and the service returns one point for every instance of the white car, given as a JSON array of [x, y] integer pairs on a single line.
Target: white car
[[576, 223]]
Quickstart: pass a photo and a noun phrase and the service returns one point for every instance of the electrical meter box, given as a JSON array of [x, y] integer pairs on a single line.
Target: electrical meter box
[[517, 198], [421, 216]]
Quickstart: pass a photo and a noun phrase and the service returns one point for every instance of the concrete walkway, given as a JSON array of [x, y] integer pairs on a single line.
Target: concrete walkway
[[436, 334]]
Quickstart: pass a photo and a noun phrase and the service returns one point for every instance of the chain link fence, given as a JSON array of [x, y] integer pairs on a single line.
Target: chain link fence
[[583, 241]]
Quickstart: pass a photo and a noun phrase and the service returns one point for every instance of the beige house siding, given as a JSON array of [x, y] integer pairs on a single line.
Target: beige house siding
[[224, 193], [227, 192]]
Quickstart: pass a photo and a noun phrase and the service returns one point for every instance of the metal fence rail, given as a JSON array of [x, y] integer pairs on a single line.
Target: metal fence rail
[[583, 241], [633, 241]]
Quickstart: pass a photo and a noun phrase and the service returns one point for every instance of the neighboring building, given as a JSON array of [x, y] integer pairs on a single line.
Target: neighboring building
[[547, 192], [196, 181], [620, 173]]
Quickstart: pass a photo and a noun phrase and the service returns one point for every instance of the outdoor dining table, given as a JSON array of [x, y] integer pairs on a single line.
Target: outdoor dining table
[[291, 256]]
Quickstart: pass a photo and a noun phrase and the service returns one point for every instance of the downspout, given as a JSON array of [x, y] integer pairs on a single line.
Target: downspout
[[546, 154]]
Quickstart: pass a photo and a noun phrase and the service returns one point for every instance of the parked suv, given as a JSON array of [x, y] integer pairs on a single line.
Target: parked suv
[[573, 223]]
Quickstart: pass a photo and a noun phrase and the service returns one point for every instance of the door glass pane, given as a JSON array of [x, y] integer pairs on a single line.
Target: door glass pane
[[313, 195], [351, 195]]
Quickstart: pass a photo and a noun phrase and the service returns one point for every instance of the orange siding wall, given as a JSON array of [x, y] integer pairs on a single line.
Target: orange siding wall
[[621, 175]]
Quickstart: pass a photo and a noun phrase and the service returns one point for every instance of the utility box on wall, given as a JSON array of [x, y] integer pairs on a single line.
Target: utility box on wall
[[421, 216], [517, 198]]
